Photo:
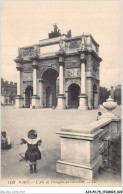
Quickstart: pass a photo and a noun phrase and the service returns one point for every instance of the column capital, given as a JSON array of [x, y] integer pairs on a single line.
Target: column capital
[[19, 67], [82, 55], [83, 58], [35, 59], [61, 60], [61, 56], [60, 53], [35, 65], [19, 60]]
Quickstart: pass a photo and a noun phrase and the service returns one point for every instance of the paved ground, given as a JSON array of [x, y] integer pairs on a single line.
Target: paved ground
[[17, 122]]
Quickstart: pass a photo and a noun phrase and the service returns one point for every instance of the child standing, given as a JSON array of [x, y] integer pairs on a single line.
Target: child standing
[[33, 153]]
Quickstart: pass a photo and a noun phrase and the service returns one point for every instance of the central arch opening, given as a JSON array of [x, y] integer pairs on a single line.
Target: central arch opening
[[50, 88], [73, 96], [28, 96]]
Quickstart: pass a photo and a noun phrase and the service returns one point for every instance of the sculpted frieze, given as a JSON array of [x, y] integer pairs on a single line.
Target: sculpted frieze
[[49, 66], [74, 44], [73, 72], [72, 64], [26, 52], [27, 68], [28, 76]]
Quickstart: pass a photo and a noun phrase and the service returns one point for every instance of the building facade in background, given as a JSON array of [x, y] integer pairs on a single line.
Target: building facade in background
[[8, 92], [59, 72]]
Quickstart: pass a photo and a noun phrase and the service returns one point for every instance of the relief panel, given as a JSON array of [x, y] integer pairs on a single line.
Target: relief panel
[[72, 64], [73, 72], [29, 51], [73, 44], [26, 52], [28, 76], [27, 67]]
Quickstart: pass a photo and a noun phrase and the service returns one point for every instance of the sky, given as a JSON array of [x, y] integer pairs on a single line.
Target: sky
[[24, 23]]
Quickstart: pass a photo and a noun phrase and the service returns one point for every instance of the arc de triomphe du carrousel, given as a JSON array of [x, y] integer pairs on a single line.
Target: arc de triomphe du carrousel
[[60, 71]]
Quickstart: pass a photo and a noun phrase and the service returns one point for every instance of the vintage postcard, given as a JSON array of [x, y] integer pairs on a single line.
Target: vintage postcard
[[60, 94]]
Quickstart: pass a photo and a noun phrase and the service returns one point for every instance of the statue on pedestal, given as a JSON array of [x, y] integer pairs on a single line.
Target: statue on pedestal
[[55, 33]]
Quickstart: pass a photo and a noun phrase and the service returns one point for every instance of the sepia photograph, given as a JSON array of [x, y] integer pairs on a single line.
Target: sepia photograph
[[61, 94]]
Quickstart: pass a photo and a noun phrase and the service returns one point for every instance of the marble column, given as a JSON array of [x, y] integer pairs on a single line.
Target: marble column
[[61, 98], [83, 96], [19, 100], [67, 95], [24, 99], [18, 82], [35, 98], [34, 81], [61, 82], [41, 93], [83, 78]]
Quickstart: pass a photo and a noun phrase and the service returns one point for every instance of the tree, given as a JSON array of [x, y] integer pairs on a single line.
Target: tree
[[104, 94], [117, 95]]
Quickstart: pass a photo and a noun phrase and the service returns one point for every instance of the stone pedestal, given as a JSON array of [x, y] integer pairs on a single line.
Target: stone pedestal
[[35, 102], [80, 149], [116, 126], [19, 101], [61, 103], [116, 122], [83, 102], [79, 170]]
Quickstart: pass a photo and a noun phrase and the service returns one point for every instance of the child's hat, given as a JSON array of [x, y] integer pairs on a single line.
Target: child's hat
[[32, 134]]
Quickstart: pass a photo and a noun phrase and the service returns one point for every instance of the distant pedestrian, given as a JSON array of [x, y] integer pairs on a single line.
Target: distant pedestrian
[[5, 141], [33, 153], [99, 116]]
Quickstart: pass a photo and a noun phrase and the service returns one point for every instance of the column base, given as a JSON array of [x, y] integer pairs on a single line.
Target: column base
[[61, 102], [83, 102], [35, 102], [19, 101], [86, 171]]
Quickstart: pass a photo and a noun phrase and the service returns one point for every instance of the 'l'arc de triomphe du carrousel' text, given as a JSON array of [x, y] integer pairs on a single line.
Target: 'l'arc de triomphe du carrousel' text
[[60, 72]]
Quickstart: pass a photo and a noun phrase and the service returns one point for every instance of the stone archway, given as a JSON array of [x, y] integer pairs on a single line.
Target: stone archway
[[49, 78], [28, 96], [73, 96]]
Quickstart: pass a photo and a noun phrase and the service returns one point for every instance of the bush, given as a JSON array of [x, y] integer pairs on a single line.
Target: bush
[[115, 154]]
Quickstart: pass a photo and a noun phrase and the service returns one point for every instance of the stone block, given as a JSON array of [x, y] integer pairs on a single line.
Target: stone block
[[115, 126], [83, 102], [80, 148], [79, 170], [61, 103], [19, 102], [35, 102]]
